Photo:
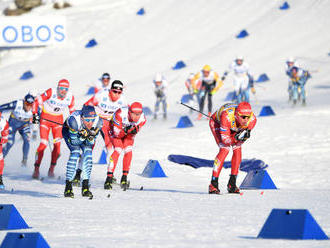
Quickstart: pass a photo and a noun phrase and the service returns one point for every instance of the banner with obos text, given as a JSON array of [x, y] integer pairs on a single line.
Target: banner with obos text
[[32, 31]]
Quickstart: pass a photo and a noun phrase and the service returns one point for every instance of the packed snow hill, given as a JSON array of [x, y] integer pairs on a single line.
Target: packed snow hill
[[176, 210]]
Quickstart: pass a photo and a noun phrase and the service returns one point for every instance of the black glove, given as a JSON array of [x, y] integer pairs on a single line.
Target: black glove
[[223, 78], [83, 133], [36, 119], [243, 135], [131, 129], [93, 131]]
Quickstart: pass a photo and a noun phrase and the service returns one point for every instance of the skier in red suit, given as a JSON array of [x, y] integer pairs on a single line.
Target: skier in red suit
[[231, 126], [126, 123], [4, 132], [53, 102]]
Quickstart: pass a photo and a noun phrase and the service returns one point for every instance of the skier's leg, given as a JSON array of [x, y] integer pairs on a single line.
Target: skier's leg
[[209, 101], [217, 166], [11, 141], [44, 133], [164, 107], [57, 134], [235, 163], [26, 134], [118, 145], [87, 162], [156, 107]]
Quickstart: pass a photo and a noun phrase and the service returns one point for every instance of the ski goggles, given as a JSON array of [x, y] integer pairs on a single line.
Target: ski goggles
[[245, 116], [89, 119], [28, 103], [116, 91], [63, 88]]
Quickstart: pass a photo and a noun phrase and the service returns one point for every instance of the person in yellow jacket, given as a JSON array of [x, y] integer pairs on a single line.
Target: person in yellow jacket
[[206, 83]]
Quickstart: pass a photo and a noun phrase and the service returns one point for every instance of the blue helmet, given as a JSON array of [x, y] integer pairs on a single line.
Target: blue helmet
[[88, 111], [29, 98]]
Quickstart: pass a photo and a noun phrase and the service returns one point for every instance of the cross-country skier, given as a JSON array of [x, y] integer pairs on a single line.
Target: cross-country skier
[[189, 84], [288, 65], [4, 132], [206, 83], [104, 84], [160, 84], [231, 126], [19, 120], [125, 125], [105, 103], [53, 103], [79, 132], [299, 78], [242, 74]]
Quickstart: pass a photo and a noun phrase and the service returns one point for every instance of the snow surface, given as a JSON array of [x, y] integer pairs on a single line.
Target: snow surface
[[177, 211]]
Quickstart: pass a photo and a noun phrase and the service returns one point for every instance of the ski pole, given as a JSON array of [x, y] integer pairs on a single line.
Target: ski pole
[[194, 109], [53, 121], [200, 112]]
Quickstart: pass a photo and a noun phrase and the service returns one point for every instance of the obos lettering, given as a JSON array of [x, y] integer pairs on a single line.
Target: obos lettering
[[28, 34]]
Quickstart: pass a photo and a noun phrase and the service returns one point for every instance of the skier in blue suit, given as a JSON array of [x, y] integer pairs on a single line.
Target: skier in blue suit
[[19, 120], [79, 132]]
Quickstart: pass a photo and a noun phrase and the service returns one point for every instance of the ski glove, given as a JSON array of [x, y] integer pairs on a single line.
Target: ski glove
[[131, 129], [243, 135], [83, 133], [36, 119], [90, 140]]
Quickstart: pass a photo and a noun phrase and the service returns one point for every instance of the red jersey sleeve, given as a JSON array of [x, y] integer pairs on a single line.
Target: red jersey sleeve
[[117, 125], [225, 132], [92, 101], [71, 106], [40, 100], [4, 134]]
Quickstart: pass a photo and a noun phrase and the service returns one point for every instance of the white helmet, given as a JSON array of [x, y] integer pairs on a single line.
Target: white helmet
[[290, 60], [158, 77], [240, 57]]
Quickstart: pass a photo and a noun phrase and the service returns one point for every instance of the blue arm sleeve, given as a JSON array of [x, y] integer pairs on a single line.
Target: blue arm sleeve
[[8, 106], [74, 136]]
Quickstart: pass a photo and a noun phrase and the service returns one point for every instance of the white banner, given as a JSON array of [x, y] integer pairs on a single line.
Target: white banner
[[32, 31]]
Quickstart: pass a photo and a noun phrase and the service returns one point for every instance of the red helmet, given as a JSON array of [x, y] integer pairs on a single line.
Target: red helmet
[[243, 109], [64, 83], [136, 107]]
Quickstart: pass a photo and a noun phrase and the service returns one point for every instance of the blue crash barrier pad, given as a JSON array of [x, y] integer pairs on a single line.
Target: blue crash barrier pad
[[246, 164]]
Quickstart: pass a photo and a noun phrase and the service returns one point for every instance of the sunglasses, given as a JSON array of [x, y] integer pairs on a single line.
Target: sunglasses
[[28, 103], [63, 88], [245, 117], [91, 119], [116, 91]]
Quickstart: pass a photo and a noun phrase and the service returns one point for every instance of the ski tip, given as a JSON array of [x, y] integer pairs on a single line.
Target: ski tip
[[141, 188], [108, 195], [90, 198]]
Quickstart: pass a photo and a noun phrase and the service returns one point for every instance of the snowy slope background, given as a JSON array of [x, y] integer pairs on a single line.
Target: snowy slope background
[[177, 211]]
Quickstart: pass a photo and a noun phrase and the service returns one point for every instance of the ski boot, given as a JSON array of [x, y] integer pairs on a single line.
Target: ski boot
[[35, 174], [213, 187], [124, 184], [85, 189], [1, 183], [51, 173], [68, 189], [76, 179], [24, 162], [231, 186], [108, 181], [164, 116]]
